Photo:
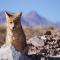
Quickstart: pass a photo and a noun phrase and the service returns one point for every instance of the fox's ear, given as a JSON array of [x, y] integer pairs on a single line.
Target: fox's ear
[[18, 16], [7, 17], [8, 14]]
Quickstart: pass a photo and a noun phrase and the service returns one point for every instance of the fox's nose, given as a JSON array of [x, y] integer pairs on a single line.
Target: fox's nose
[[14, 27]]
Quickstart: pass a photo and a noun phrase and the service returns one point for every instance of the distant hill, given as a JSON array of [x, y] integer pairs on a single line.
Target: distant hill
[[57, 24], [32, 19], [2, 18]]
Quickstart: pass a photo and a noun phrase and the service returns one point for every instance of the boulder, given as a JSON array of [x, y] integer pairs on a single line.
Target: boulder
[[10, 53], [35, 41]]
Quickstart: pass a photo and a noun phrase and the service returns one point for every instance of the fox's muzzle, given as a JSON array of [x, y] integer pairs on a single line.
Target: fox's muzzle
[[14, 27]]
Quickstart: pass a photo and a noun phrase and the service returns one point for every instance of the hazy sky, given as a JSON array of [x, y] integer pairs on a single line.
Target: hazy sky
[[46, 8]]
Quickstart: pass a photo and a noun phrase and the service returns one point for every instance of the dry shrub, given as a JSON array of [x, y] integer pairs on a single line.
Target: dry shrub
[[2, 35], [28, 32], [48, 32]]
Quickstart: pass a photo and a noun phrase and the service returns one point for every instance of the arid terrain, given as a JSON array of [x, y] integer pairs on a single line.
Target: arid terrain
[[51, 37]]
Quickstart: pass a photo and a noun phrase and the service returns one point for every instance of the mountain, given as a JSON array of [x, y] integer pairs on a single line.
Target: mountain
[[2, 18], [57, 24], [32, 19]]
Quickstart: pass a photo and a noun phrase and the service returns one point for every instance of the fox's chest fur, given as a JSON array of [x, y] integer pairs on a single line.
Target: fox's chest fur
[[16, 38]]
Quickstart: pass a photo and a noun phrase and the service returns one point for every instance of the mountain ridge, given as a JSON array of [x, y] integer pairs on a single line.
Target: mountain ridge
[[31, 19]]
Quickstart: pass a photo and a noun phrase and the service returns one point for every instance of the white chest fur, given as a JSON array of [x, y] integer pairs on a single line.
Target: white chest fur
[[9, 37]]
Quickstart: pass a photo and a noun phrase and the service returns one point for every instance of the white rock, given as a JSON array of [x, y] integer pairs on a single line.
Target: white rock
[[35, 41], [10, 53], [43, 37]]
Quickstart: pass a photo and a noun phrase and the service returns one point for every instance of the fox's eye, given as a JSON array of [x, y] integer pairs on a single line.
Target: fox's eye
[[11, 22]]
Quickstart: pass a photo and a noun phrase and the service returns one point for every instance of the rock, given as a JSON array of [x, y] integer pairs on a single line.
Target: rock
[[43, 38], [35, 41], [10, 53]]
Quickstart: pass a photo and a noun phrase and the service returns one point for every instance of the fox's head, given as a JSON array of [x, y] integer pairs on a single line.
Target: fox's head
[[13, 21]]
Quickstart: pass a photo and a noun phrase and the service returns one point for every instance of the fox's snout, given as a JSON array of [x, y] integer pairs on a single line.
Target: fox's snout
[[13, 26]]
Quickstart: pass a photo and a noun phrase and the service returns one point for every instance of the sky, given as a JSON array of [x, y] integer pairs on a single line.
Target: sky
[[50, 9]]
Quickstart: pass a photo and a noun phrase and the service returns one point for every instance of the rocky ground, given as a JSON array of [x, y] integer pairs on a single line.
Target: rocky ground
[[46, 45], [40, 45]]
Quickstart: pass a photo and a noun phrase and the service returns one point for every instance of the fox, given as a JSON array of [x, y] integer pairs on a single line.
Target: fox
[[15, 35]]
